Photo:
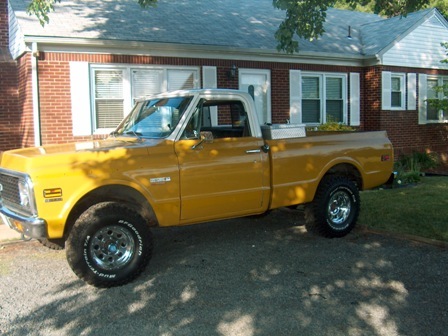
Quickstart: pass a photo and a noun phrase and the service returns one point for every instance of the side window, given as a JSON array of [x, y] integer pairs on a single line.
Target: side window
[[437, 99], [433, 113], [114, 90], [108, 98], [323, 98], [398, 91], [311, 104], [334, 100], [232, 120]]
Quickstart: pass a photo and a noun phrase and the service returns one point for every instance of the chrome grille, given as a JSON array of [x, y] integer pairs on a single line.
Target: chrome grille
[[10, 191]]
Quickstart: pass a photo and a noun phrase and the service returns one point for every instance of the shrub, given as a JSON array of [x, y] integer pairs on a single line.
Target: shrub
[[335, 126], [409, 168]]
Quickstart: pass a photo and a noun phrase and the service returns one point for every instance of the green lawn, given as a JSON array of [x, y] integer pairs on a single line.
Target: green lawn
[[420, 210]]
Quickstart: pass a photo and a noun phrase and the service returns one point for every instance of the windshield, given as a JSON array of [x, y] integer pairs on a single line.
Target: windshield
[[155, 118]]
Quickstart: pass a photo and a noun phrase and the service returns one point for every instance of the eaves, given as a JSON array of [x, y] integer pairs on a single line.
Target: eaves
[[138, 48]]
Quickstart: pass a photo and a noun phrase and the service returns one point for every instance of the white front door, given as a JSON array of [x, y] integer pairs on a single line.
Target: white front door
[[258, 83]]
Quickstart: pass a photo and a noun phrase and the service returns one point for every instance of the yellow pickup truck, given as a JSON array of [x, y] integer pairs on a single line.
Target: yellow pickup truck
[[181, 158]]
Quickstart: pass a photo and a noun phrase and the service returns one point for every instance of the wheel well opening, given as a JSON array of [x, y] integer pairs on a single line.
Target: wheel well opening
[[349, 171], [112, 193]]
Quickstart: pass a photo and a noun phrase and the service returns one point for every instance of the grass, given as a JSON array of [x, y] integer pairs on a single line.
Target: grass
[[419, 210]]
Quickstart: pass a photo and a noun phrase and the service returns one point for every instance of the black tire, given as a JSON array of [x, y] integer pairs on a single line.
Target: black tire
[[54, 244], [335, 208], [109, 245]]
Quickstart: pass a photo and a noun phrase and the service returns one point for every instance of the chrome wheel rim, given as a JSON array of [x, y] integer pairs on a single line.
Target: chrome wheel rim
[[112, 247], [339, 208]]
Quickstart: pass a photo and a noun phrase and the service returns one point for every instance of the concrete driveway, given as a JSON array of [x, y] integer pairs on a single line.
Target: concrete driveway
[[251, 276]]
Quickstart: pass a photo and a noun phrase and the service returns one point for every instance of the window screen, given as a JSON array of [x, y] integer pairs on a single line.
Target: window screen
[[311, 105], [108, 98], [396, 99], [334, 102]]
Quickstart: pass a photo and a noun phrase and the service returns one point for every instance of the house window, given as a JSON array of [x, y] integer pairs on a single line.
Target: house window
[[323, 98], [115, 90], [398, 92], [437, 92], [108, 98]]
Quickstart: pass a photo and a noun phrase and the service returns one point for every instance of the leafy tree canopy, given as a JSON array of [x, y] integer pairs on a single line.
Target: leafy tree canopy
[[303, 19]]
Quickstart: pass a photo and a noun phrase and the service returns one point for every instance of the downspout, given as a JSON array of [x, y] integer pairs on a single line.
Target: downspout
[[35, 92]]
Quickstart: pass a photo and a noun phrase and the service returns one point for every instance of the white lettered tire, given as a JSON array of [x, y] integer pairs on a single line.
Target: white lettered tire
[[109, 245], [335, 208]]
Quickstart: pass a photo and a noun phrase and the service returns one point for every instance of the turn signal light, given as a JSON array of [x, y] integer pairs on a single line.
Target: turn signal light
[[385, 157]]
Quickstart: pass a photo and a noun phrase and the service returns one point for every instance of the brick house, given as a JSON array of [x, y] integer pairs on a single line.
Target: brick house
[[78, 76]]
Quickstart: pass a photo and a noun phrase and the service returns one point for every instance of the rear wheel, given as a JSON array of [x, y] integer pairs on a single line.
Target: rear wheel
[[335, 208], [109, 245]]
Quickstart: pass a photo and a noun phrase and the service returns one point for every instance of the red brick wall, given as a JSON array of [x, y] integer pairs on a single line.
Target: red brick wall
[[9, 111], [54, 84], [402, 127], [55, 104], [25, 101]]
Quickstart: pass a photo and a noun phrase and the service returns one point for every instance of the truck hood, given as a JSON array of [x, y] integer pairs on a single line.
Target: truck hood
[[53, 156]]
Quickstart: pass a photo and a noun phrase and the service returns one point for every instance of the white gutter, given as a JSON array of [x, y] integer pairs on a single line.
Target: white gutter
[[35, 94], [118, 47]]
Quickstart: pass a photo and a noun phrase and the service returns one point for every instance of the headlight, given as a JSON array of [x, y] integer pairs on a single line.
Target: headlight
[[24, 194], [17, 192]]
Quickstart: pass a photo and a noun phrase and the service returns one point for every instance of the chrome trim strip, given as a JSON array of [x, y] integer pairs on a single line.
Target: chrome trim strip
[[251, 151]]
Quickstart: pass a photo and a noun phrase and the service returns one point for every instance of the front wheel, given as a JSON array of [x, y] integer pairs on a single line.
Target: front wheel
[[109, 245], [335, 208]]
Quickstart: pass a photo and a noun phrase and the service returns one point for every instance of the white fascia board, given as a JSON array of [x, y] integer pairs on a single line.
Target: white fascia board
[[96, 46]]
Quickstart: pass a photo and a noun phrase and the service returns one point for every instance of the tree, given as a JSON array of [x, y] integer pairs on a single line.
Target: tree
[[303, 19]]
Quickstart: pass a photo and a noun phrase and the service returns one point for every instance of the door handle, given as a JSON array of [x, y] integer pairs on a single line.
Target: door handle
[[252, 151]]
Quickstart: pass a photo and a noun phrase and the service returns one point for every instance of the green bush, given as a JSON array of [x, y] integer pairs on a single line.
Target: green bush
[[335, 126], [410, 168]]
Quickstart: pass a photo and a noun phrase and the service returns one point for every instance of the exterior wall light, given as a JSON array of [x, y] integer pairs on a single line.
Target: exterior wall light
[[232, 72]]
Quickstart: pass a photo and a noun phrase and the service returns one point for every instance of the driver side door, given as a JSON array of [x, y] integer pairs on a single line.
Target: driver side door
[[221, 176]]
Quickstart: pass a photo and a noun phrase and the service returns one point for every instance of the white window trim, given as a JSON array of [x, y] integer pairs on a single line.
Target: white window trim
[[127, 87], [322, 76], [440, 80], [402, 77]]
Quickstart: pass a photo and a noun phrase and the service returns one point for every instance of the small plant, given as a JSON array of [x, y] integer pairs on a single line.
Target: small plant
[[410, 168], [334, 126]]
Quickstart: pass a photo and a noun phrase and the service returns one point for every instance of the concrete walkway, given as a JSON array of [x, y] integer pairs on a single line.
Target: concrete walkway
[[7, 234]]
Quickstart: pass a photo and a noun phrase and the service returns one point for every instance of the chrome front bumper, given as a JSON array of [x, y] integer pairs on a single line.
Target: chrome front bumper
[[30, 227]]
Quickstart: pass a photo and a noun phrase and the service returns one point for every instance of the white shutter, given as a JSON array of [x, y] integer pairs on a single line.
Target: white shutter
[[355, 119], [412, 91], [209, 77], [386, 82], [422, 96], [295, 101], [80, 98]]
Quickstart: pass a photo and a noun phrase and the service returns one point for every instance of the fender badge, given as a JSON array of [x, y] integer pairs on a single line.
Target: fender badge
[[53, 193], [160, 180]]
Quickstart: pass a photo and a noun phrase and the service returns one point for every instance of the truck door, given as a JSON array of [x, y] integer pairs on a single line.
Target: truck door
[[221, 166]]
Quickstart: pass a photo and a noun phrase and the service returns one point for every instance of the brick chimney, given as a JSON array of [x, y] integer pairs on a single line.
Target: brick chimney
[[4, 26], [5, 55]]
